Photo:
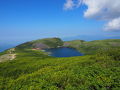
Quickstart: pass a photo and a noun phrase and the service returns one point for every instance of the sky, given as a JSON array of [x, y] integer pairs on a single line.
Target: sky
[[26, 20]]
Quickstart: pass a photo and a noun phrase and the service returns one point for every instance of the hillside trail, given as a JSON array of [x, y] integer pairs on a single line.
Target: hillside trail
[[9, 56]]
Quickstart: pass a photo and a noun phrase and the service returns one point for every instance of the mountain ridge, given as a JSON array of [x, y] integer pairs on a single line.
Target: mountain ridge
[[81, 45]]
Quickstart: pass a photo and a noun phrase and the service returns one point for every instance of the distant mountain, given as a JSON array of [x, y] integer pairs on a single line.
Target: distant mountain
[[86, 47], [91, 47], [42, 44]]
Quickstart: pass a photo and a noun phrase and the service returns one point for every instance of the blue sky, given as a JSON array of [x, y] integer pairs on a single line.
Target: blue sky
[[24, 20]]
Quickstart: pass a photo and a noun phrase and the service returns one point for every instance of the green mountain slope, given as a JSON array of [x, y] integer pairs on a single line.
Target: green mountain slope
[[92, 46], [42, 43], [35, 70]]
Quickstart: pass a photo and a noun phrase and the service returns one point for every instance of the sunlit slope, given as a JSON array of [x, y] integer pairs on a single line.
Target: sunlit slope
[[91, 47], [35, 70], [42, 43]]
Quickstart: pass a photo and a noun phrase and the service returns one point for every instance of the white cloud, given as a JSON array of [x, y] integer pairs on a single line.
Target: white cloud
[[113, 24], [107, 10], [102, 9], [69, 5]]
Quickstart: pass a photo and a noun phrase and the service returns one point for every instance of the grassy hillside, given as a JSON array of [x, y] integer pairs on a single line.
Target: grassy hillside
[[35, 70], [91, 47], [42, 43]]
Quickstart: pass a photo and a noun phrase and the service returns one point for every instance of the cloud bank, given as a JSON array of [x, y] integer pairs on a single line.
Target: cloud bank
[[107, 10]]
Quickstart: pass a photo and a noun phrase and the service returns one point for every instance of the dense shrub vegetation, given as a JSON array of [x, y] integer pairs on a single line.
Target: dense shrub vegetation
[[34, 70]]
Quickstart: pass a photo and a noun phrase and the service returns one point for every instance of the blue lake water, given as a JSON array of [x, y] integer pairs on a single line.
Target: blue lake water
[[63, 52]]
